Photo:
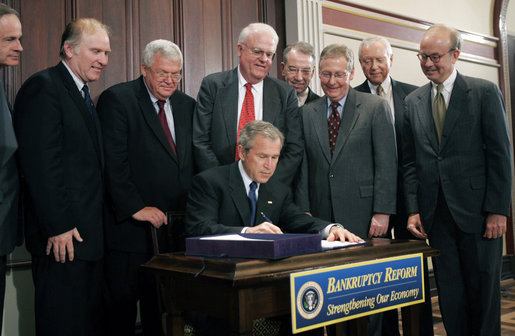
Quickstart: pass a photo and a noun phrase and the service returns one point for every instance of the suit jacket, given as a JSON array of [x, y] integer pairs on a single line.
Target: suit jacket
[[400, 91], [10, 232], [216, 121], [141, 168], [311, 96], [61, 158], [360, 178], [472, 165], [218, 203]]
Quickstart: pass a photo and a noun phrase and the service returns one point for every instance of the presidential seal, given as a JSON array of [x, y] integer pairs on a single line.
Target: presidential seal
[[310, 300]]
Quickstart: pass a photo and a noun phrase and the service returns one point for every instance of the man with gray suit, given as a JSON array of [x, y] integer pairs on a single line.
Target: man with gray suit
[[349, 172], [228, 100], [457, 165], [10, 231]]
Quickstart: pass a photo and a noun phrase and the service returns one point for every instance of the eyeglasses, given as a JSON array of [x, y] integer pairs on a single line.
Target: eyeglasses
[[258, 53], [368, 61], [338, 75], [294, 70], [435, 58], [163, 75]]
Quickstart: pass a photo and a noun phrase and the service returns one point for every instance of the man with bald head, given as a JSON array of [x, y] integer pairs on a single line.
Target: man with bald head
[[10, 49], [457, 165], [298, 68], [228, 100]]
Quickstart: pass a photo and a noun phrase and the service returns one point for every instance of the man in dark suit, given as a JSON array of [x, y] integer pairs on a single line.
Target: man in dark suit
[[61, 158], [298, 68], [246, 91], [457, 165], [148, 173], [10, 231], [349, 172], [376, 58]]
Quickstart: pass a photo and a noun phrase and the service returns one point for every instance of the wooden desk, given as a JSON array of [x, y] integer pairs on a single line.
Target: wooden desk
[[242, 290]]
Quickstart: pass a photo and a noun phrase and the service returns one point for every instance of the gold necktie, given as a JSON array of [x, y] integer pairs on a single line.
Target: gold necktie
[[380, 90], [439, 112]]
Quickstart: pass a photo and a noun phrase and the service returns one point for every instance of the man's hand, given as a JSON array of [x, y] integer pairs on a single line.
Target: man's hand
[[415, 226], [265, 227], [339, 233], [378, 225], [151, 214], [495, 226], [63, 244]]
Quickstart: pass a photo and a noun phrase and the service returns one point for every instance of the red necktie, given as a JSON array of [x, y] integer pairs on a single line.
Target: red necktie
[[164, 124], [247, 114], [333, 126]]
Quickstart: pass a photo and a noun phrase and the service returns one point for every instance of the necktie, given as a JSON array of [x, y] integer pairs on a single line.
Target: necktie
[[439, 112], [247, 113], [164, 124], [252, 203], [333, 126], [380, 90], [87, 99]]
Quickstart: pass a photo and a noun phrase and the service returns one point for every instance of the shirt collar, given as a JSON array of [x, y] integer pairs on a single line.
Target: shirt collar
[[386, 85], [246, 179], [241, 82], [448, 84], [76, 79]]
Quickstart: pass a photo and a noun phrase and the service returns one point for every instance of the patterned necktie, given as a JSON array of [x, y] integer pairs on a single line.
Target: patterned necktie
[[252, 203], [87, 99], [439, 112], [247, 114], [333, 126], [380, 90], [164, 124]]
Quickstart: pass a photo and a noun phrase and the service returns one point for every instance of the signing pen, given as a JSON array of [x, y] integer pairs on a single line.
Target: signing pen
[[265, 217]]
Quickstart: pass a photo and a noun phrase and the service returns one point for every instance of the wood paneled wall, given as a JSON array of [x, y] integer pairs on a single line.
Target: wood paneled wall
[[205, 30]]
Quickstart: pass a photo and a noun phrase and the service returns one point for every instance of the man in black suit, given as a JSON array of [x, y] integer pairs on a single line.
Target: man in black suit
[[61, 158], [147, 127], [219, 199], [458, 168], [376, 58], [298, 68], [10, 231], [246, 90]]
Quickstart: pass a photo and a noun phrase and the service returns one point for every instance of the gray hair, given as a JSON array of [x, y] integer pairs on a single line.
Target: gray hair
[[338, 50], [164, 47], [73, 32], [302, 47], [255, 28], [456, 38], [6, 10], [371, 40], [258, 127]]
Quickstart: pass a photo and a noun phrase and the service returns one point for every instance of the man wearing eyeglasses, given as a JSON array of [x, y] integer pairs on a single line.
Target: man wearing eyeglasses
[[228, 100], [298, 68], [349, 174], [147, 126], [458, 174]]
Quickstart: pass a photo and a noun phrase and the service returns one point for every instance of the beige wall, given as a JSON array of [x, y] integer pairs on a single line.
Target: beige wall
[[510, 18]]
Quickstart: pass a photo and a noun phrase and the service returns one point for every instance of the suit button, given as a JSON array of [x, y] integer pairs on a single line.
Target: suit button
[[331, 175], [440, 158]]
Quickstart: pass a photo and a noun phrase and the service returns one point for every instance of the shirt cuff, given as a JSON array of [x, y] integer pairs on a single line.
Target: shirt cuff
[[325, 231]]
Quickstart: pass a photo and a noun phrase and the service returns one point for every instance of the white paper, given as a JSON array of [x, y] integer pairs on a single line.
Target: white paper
[[327, 245], [234, 237]]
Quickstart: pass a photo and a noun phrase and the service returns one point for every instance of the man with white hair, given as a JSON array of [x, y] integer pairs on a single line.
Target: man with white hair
[[228, 100], [147, 126]]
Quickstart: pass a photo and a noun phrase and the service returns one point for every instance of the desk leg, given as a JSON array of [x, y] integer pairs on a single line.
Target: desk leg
[[410, 322]]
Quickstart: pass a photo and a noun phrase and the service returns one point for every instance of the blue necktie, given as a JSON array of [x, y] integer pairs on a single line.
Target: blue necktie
[[252, 202], [87, 99]]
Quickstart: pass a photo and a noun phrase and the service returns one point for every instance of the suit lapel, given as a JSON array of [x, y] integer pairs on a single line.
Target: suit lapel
[[270, 101], [319, 119], [92, 124], [424, 112], [349, 118], [151, 118], [229, 95], [238, 194], [180, 132], [457, 103], [266, 204]]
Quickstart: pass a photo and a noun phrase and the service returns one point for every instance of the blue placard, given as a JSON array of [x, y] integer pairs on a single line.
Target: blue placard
[[330, 295]]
